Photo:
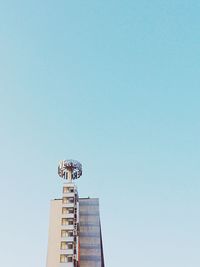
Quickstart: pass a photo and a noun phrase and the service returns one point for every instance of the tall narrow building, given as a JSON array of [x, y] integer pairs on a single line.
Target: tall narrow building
[[75, 238]]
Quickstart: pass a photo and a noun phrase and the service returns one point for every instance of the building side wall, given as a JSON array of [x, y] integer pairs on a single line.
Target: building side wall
[[89, 241], [91, 249], [53, 254]]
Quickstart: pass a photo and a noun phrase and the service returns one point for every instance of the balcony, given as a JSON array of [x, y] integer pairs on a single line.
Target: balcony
[[69, 252], [67, 238], [67, 227], [66, 264], [68, 194], [68, 205], [68, 215]]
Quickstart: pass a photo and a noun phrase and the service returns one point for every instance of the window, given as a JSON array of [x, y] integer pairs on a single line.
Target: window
[[69, 259], [70, 200], [64, 233], [70, 233], [68, 189], [63, 258], [64, 210], [70, 246], [67, 210], [64, 221], [63, 245], [65, 189], [64, 201], [70, 211], [70, 222]]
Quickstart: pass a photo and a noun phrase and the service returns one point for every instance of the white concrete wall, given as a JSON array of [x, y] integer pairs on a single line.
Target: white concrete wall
[[53, 254], [57, 218]]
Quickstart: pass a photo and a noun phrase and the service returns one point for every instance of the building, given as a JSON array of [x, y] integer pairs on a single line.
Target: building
[[75, 238]]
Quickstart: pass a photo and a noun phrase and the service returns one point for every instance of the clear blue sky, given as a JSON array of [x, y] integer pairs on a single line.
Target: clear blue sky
[[116, 85]]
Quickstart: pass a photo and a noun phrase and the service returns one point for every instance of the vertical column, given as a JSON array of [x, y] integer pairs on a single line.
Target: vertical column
[[91, 247], [69, 226]]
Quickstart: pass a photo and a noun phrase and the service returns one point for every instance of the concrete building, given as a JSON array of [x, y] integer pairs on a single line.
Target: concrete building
[[75, 238]]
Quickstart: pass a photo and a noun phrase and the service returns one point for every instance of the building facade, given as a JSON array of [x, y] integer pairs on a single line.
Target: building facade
[[90, 237], [75, 238]]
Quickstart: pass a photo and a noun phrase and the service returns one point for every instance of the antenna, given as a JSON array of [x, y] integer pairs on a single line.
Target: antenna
[[69, 169]]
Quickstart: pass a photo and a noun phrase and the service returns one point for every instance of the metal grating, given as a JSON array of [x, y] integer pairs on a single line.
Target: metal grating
[[91, 249]]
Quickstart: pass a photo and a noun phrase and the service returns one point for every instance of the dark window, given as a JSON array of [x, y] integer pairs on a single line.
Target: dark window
[[69, 259]]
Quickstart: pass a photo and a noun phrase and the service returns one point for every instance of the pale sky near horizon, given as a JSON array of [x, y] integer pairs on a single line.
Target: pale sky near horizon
[[115, 85]]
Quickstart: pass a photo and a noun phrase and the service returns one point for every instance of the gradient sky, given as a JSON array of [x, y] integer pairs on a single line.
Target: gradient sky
[[115, 85]]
